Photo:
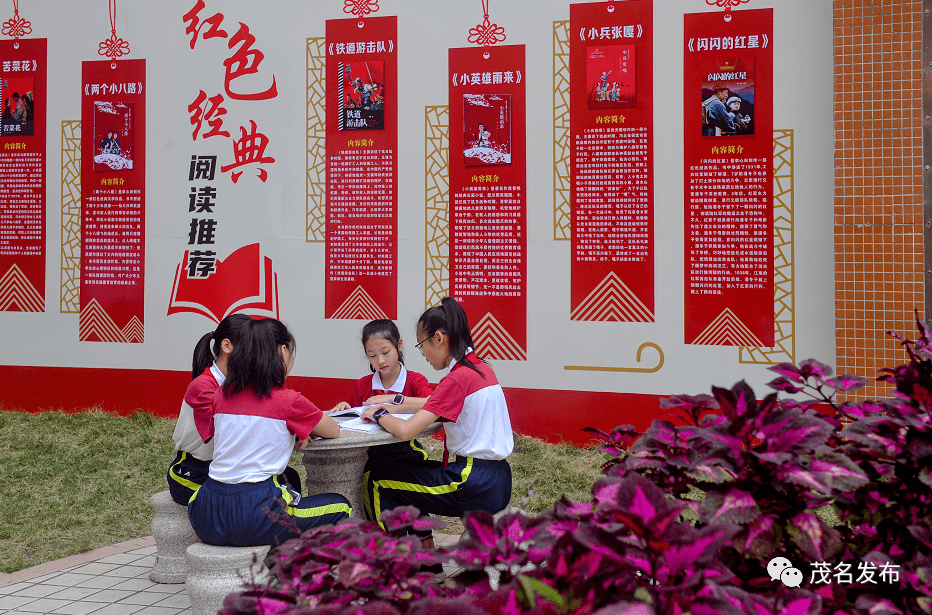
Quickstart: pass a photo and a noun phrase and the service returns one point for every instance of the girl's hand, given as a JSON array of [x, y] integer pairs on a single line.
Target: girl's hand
[[340, 406], [367, 415], [326, 428], [380, 399]]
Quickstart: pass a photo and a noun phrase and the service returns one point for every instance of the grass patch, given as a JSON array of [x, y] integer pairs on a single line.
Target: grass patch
[[75, 482]]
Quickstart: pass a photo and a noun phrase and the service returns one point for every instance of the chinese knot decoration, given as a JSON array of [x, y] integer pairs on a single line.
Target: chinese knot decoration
[[726, 4], [113, 47], [16, 27], [360, 8], [486, 33]]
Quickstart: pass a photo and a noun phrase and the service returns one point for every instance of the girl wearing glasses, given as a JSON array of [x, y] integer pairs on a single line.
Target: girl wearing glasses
[[389, 383], [478, 430]]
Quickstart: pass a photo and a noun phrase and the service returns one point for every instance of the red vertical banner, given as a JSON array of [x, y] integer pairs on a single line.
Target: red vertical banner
[[23, 74], [362, 169], [488, 196], [612, 161], [728, 178], [113, 200]]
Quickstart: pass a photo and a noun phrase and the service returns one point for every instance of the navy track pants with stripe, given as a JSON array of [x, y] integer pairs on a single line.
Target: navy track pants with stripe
[[185, 476], [465, 484], [242, 515]]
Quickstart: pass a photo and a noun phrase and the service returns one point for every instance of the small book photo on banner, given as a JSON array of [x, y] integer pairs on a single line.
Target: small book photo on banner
[[486, 129], [18, 105], [113, 136], [728, 99], [362, 95], [610, 77]]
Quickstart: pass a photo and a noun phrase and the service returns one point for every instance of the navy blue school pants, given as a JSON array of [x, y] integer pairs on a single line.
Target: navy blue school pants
[[412, 450], [185, 476], [465, 484], [244, 515]]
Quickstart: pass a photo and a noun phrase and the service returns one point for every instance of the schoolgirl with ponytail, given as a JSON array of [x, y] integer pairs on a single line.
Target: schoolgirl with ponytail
[[471, 402], [188, 471], [255, 420]]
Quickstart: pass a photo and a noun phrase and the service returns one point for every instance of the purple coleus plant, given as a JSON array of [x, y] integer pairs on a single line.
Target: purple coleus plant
[[760, 464]]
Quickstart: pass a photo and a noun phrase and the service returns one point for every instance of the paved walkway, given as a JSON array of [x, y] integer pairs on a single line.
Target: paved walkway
[[113, 580]]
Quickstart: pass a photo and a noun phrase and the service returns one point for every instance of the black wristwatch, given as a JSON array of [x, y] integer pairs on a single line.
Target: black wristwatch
[[377, 416], [398, 399]]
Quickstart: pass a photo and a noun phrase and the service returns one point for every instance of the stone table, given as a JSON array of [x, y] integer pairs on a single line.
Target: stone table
[[335, 465]]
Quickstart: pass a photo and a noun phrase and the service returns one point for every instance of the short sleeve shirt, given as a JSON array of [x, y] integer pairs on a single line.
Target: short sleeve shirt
[[254, 437]]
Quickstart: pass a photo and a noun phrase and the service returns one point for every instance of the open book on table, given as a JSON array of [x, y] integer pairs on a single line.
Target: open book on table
[[357, 424], [350, 412]]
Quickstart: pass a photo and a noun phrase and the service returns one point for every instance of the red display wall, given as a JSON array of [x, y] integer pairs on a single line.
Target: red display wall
[[362, 169], [612, 161], [728, 178], [113, 201], [22, 175], [118, 391], [488, 196]]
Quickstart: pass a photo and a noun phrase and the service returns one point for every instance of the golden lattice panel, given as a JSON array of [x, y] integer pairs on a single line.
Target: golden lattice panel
[[437, 201], [316, 203], [561, 130], [784, 349], [70, 301]]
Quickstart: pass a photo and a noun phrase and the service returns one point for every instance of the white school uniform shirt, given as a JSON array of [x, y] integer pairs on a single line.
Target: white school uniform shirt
[[186, 436], [475, 403]]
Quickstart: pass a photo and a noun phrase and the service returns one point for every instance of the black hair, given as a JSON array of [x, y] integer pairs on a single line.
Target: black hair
[[230, 328], [256, 361], [386, 330], [450, 318]]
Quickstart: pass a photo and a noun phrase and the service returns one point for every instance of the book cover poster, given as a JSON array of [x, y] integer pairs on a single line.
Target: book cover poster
[[611, 162], [18, 95], [728, 98], [486, 129], [362, 95], [610, 77], [113, 136], [113, 204], [728, 179]]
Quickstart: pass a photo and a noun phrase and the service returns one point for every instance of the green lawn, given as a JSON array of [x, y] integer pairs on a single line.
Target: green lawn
[[74, 482]]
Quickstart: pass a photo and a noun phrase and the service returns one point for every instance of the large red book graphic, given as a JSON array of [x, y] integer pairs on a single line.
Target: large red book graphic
[[244, 282]]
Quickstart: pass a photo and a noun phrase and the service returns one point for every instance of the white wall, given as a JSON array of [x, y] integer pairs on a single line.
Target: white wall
[[274, 212]]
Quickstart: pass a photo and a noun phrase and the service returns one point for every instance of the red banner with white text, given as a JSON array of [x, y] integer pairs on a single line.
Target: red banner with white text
[[362, 169], [488, 196], [612, 161], [728, 178], [113, 200], [23, 74]]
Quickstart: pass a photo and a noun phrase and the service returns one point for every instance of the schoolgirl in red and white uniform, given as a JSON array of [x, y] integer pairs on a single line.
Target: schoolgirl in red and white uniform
[[391, 383], [255, 422], [188, 470], [478, 430]]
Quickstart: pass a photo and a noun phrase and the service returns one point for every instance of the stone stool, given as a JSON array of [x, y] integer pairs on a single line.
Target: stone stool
[[215, 572], [173, 534]]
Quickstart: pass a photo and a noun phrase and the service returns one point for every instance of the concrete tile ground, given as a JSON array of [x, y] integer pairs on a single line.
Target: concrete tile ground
[[113, 580]]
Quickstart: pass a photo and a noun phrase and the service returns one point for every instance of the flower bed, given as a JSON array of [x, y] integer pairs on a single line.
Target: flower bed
[[644, 544]]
